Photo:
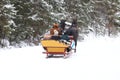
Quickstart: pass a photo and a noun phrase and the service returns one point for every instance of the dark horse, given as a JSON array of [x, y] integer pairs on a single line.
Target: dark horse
[[72, 31]]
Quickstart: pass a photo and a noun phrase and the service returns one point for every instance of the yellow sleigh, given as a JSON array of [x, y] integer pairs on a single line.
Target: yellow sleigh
[[54, 47]]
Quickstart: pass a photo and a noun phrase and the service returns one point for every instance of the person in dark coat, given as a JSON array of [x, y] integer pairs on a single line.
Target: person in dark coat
[[62, 25], [73, 31]]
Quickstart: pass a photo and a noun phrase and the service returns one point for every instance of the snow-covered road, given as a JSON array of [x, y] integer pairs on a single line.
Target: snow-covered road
[[95, 59]]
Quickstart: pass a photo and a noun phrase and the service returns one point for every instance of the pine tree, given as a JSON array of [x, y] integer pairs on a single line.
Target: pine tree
[[104, 12], [6, 14]]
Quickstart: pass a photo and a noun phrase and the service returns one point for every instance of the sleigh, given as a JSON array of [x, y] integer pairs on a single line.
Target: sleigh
[[54, 47]]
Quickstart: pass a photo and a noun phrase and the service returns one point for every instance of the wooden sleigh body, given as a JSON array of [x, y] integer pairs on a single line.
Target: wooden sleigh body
[[54, 47]]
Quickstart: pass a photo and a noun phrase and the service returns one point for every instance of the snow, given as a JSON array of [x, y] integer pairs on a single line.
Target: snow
[[5, 42], [97, 58], [9, 6], [68, 23]]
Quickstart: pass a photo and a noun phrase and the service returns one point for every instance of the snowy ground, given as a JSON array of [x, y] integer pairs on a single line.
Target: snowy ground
[[96, 59]]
